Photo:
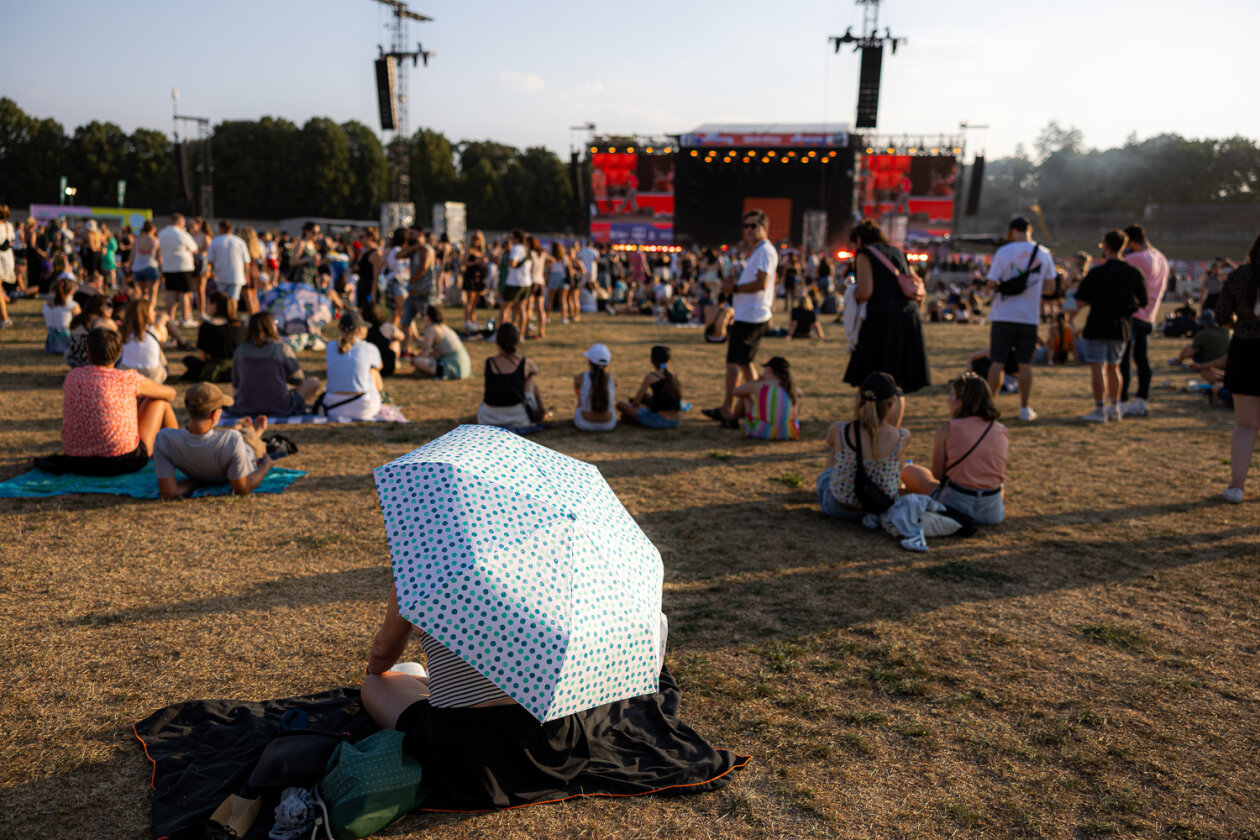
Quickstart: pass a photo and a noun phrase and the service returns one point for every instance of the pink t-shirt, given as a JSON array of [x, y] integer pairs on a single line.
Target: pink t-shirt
[[1154, 267], [98, 412], [985, 468]]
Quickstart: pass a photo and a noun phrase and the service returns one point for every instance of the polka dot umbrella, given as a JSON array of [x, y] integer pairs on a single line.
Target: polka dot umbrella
[[523, 562]]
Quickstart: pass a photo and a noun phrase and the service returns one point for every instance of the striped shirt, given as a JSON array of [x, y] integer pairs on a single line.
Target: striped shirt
[[453, 683], [773, 415]]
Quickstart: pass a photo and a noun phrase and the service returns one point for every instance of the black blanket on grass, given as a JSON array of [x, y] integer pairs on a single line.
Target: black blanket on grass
[[202, 751]]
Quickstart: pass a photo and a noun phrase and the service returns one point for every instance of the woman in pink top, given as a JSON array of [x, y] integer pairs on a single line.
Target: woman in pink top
[[968, 455], [109, 416]]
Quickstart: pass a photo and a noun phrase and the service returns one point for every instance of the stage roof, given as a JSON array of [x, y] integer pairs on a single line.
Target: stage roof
[[767, 134]]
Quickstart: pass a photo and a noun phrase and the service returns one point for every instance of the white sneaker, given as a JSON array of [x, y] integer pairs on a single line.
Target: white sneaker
[[1233, 495], [1027, 414], [1098, 415], [1113, 412], [564, 320], [1135, 407]]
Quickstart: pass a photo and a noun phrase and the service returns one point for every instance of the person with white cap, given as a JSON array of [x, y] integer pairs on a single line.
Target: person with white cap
[[596, 391]]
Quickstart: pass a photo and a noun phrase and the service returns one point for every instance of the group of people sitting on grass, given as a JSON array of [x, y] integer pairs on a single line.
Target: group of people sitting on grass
[[867, 475]]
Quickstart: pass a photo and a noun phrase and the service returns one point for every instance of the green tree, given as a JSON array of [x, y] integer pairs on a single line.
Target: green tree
[[549, 202], [98, 158], [433, 175], [323, 160], [369, 171], [150, 170]]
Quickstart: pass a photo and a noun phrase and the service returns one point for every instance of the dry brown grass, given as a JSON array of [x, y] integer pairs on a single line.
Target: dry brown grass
[[1089, 668]]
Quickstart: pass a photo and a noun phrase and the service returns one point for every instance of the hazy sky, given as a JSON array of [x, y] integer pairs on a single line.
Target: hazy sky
[[522, 73]]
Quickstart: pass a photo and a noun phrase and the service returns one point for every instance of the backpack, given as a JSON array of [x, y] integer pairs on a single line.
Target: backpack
[[911, 284], [368, 785], [1018, 284]]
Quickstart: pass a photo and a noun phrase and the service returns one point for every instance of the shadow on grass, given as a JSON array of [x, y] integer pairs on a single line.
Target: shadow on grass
[[367, 582], [716, 597]]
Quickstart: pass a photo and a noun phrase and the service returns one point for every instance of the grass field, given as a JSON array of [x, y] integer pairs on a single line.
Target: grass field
[[1089, 668]]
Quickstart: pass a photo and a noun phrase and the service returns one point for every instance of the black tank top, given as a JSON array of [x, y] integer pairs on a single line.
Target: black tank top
[[664, 395], [505, 389], [365, 266]]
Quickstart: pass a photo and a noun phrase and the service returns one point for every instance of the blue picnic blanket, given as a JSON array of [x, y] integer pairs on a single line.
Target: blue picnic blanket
[[38, 484]]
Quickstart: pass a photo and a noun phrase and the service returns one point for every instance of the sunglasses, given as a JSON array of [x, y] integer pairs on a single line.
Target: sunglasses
[[751, 225]]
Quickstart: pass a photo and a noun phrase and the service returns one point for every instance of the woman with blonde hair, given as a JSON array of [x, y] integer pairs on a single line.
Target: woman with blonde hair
[[253, 271], [875, 435], [353, 391]]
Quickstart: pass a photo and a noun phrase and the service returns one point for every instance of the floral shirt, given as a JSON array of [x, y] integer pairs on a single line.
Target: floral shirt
[[98, 412]]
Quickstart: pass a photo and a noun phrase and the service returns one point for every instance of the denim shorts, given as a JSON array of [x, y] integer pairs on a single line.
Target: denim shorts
[[651, 420], [828, 502], [147, 275], [985, 510], [413, 308], [1099, 351], [395, 289]]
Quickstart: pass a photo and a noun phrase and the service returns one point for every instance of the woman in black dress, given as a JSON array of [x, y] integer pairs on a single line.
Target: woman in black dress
[[891, 338]]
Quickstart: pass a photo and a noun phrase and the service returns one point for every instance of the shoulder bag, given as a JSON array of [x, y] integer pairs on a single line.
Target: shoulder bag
[[911, 284], [869, 495]]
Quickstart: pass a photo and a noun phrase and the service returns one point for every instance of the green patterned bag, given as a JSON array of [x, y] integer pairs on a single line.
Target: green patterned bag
[[368, 785]]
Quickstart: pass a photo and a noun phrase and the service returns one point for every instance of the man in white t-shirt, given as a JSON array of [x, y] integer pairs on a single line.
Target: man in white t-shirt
[[753, 301], [516, 286], [1016, 313], [228, 256], [177, 248]]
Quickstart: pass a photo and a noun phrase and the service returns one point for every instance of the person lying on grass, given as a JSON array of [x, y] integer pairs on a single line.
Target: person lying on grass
[[209, 455]]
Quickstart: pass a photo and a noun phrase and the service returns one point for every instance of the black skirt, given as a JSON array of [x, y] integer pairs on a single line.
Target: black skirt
[[1242, 369], [891, 341]]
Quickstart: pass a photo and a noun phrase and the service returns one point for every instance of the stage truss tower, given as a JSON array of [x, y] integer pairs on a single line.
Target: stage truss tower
[[399, 146]]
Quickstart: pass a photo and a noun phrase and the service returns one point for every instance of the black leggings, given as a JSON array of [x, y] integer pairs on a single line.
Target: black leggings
[[1138, 347]]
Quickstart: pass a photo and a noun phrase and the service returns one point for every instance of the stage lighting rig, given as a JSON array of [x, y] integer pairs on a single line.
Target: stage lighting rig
[[871, 44], [391, 88]]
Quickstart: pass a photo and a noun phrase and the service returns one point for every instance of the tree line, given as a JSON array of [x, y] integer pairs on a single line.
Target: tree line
[[1061, 175], [271, 168]]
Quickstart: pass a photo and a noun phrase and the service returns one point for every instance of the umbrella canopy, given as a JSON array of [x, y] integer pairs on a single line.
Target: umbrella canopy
[[523, 562], [297, 307]]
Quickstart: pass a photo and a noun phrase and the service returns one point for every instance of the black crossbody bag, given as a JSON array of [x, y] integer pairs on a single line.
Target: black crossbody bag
[[869, 495]]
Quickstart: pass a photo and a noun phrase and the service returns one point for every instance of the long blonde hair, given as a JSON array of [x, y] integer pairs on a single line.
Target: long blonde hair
[[870, 416]]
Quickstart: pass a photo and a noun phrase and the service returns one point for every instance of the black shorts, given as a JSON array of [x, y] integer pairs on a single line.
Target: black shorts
[[178, 281], [1242, 368], [97, 465], [511, 294], [744, 339], [1007, 338]]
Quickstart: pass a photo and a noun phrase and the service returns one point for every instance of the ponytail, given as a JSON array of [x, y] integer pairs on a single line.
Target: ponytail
[[347, 340], [599, 388], [870, 416]]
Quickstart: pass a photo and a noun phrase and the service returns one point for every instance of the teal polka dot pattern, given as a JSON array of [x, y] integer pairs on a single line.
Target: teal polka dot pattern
[[523, 562]]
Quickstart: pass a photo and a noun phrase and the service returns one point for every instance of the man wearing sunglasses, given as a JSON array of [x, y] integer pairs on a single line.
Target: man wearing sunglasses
[[753, 301]]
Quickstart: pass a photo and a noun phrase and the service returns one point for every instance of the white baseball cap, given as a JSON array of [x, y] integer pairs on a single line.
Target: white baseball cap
[[598, 354]]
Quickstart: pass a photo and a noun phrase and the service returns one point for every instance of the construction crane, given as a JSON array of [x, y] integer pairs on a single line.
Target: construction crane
[[400, 147]]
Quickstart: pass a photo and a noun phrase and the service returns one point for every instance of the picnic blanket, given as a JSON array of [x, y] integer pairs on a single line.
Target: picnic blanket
[[38, 484], [202, 751], [389, 414]]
